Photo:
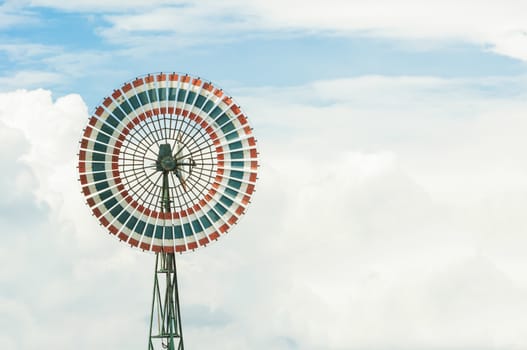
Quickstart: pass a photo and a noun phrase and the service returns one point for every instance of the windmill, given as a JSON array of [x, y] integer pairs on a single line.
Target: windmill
[[167, 164]]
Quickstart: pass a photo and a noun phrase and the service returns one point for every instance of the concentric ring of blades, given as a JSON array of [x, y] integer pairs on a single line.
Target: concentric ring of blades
[[168, 163]]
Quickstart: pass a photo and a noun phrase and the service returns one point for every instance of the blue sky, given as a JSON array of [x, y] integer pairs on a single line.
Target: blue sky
[[253, 58], [389, 211]]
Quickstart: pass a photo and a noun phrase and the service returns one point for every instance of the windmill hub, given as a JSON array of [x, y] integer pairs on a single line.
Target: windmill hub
[[165, 160], [168, 163]]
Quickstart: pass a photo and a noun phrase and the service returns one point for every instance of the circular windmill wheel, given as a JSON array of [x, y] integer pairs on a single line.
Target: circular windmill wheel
[[168, 163]]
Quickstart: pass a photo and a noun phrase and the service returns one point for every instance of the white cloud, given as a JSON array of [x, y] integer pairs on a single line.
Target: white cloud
[[460, 124], [100, 5], [59, 274], [496, 25], [11, 14], [50, 65], [511, 42], [29, 79], [388, 215], [23, 51]]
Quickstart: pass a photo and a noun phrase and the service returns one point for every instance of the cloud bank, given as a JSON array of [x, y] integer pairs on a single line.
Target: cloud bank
[[384, 218]]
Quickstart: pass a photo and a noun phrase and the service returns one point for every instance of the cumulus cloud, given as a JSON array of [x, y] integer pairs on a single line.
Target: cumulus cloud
[[52, 266], [382, 186], [387, 215]]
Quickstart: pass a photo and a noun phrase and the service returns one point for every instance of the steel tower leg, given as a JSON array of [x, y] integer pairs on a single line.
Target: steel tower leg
[[165, 318]]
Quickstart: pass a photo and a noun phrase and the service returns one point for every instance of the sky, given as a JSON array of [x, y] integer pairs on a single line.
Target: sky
[[389, 210]]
